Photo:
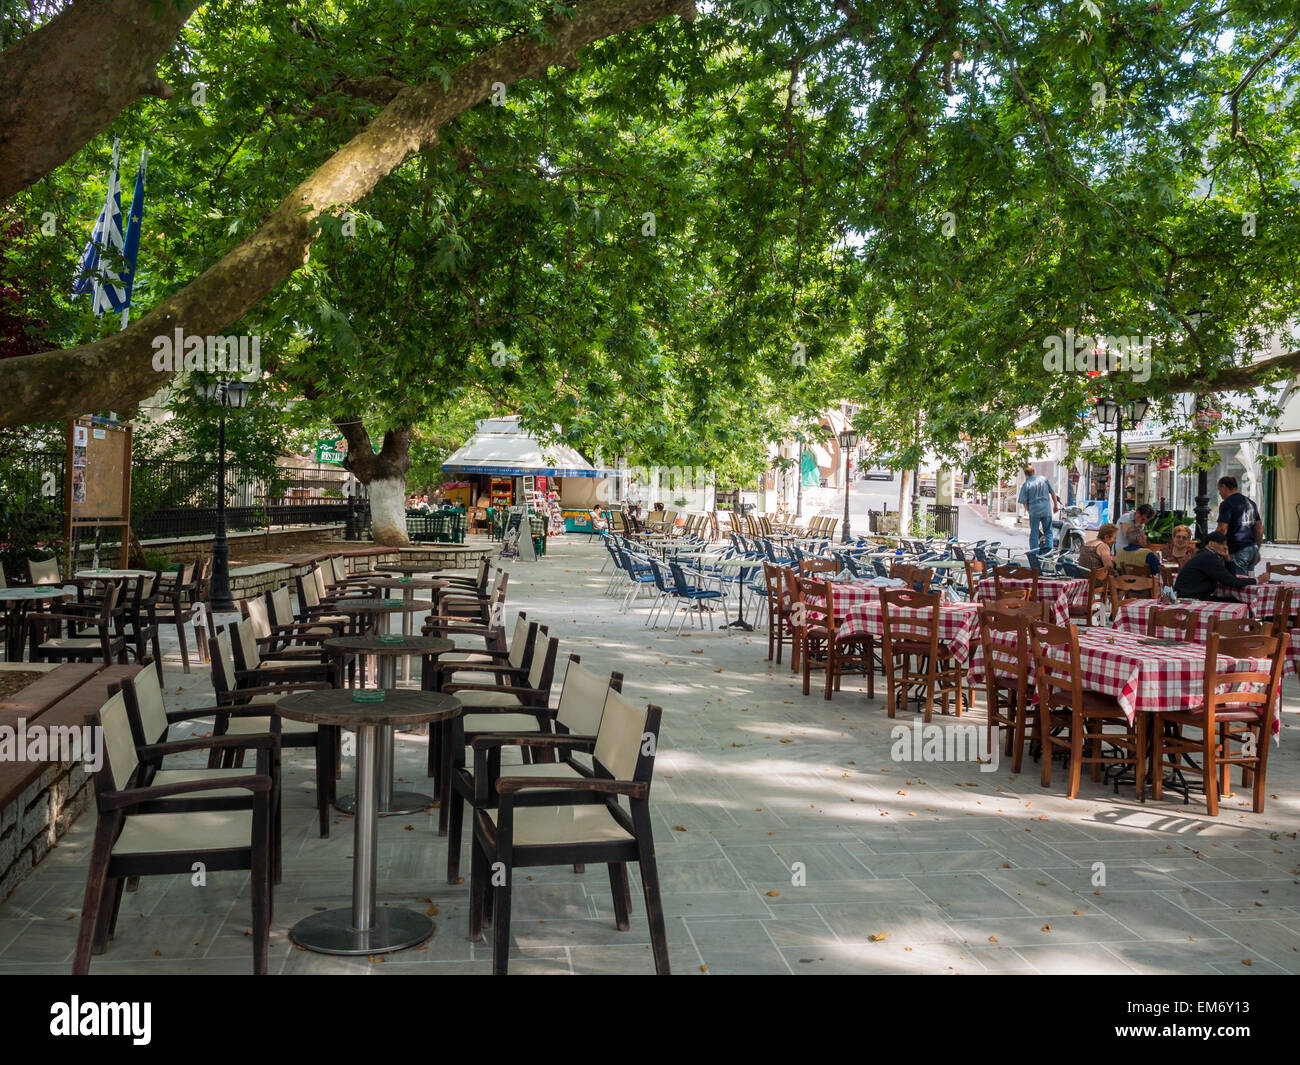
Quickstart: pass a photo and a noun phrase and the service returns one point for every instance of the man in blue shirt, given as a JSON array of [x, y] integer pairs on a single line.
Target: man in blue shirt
[[1239, 522], [1037, 494]]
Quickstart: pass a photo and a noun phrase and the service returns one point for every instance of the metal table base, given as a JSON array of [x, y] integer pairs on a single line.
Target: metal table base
[[389, 801], [365, 928]]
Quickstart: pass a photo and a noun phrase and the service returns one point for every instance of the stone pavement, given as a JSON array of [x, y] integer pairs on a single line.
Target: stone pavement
[[789, 842]]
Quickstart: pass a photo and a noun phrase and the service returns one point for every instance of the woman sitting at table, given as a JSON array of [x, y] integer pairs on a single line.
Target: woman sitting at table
[[1100, 553], [1207, 571], [1180, 548]]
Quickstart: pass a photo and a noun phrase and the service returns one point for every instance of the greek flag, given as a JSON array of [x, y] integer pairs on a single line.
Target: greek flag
[[99, 272]]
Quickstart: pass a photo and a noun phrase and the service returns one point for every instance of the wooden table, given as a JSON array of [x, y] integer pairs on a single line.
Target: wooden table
[[365, 928], [388, 649], [407, 585], [360, 609]]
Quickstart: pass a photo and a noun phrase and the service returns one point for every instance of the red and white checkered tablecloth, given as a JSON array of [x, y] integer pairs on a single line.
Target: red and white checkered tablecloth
[[958, 625], [1146, 677], [1133, 616], [1060, 593], [1260, 599]]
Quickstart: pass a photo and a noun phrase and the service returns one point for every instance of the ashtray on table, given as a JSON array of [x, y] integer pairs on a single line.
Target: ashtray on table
[[390, 637], [368, 695]]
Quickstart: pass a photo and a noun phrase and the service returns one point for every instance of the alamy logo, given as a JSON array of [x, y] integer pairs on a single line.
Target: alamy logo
[[57, 743], [1098, 354], [235, 356], [945, 743], [102, 1018]]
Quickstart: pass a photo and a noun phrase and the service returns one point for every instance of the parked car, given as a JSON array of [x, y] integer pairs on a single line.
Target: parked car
[[877, 473]]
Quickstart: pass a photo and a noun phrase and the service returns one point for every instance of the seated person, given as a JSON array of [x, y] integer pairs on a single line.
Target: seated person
[[1133, 547], [1098, 553], [1180, 548], [1205, 574]]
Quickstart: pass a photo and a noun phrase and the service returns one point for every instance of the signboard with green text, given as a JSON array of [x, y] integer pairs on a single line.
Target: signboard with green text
[[332, 451]]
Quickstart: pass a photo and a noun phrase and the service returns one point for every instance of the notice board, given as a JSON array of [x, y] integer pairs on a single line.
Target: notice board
[[97, 481]]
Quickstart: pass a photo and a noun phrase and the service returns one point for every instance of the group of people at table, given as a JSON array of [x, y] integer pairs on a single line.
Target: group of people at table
[[1226, 560]]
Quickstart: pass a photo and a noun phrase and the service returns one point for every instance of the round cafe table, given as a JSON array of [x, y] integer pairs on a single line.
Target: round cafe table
[[407, 586], [20, 597], [388, 649], [360, 609], [408, 567], [365, 928]]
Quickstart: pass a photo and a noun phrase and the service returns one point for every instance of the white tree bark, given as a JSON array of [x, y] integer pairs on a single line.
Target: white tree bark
[[905, 503], [388, 511]]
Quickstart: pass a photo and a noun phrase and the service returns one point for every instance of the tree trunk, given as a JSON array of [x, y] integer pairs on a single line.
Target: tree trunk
[[905, 503], [385, 475], [388, 511], [118, 371], [64, 82]]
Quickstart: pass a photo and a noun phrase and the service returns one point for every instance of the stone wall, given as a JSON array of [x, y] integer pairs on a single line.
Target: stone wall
[[30, 827]]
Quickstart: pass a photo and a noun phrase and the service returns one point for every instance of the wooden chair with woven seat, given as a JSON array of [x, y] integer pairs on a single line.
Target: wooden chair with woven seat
[[1074, 720], [1006, 675], [1014, 573], [540, 821], [47, 644], [147, 830], [1123, 588], [1180, 619], [901, 641], [1240, 715], [1098, 598]]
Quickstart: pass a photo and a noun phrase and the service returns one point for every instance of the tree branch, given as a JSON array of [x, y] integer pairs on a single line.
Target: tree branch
[[1236, 378], [1250, 74], [68, 80], [117, 372]]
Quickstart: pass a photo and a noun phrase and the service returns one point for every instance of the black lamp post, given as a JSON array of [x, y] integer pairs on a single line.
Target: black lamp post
[[848, 441], [233, 394], [1112, 415]]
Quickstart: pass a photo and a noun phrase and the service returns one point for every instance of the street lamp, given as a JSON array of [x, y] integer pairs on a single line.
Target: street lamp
[[848, 441], [233, 394], [1114, 415]]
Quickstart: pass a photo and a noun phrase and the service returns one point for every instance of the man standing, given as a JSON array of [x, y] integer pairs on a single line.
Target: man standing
[[1240, 524], [1037, 494], [1206, 573]]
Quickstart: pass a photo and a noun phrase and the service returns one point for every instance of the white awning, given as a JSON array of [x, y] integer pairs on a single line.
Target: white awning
[[501, 447]]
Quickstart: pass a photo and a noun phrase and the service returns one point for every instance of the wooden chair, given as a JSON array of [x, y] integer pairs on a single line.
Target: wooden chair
[[151, 724], [1131, 569], [542, 821], [1074, 720], [576, 718], [246, 706], [940, 675], [1014, 573], [138, 620], [1281, 569], [975, 572], [1021, 606], [1098, 598], [44, 572], [791, 577], [1124, 588], [105, 646], [177, 598], [1006, 677], [517, 709], [817, 565], [778, 609], [140, 830], [1178, 618], [1243, 718], [820, 644], [1230, 628], [1282, 617]]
